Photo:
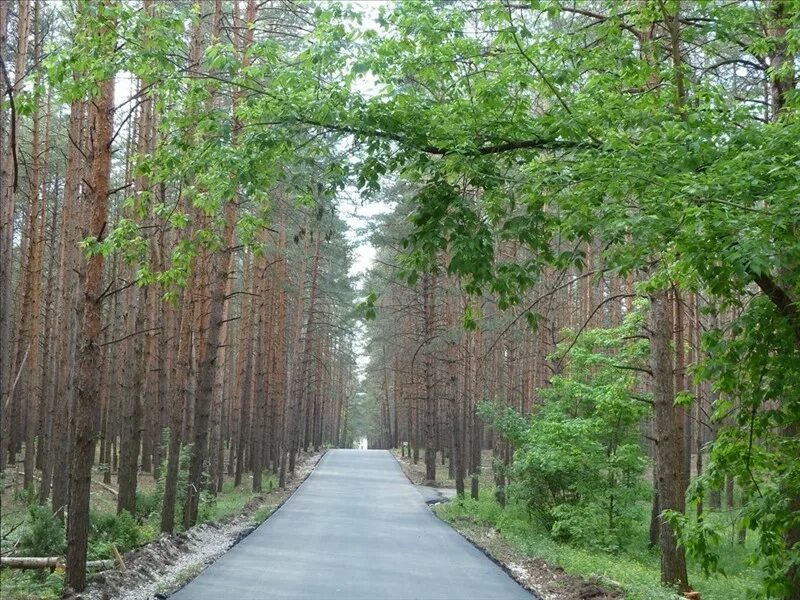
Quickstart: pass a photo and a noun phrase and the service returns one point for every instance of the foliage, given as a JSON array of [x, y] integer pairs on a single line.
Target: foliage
[[25, 496], [759, 363], [207, 507], [634, 567], [107, 529], [44, 534], [539, 125], [533, 125], [148, 504], [26, 585], [578, 463]]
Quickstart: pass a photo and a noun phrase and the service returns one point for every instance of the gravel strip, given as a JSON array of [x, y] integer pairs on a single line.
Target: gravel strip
[[163, 566]]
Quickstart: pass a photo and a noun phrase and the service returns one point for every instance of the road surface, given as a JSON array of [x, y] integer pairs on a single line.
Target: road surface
[[356, 529]]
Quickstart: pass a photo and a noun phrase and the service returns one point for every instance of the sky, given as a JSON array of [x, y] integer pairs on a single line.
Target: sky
[[355, 210], [357, 213]]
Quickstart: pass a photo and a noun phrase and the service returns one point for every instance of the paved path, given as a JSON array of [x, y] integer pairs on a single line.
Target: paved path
[[355, 530]]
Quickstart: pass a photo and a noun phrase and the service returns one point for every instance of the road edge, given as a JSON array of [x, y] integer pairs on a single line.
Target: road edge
[[243, 534], [506, 569]]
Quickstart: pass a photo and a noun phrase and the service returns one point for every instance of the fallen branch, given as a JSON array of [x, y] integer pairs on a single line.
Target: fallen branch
[[118, 557], [48, 562], [107, 488]]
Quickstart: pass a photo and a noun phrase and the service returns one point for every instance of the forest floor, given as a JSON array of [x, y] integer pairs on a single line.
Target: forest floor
[[164, 563], [546, 581], [416, 472]]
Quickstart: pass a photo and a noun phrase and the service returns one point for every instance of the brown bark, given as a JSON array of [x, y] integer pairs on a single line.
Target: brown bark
[[244, 370], [670, 447], [9, 182], [31, 317], [131, 432], [428, 375], [179, 394], [31, 300], [86, 410], [71, 273], [215, 277]]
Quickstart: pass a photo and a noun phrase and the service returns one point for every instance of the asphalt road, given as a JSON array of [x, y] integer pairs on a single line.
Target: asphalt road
[[355, 530]]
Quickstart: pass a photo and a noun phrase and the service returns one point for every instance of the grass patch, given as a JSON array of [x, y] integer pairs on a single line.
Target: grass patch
[[262, 514], [232, 500], [30, 585], [635, 568]]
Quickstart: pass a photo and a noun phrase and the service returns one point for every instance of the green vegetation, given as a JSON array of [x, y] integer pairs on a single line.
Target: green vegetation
[[42, 534], [579, 462], [635, 567], [31, 585]]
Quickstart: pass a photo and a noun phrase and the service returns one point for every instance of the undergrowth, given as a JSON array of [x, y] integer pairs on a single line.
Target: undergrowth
[[634, 567], [42, 534]]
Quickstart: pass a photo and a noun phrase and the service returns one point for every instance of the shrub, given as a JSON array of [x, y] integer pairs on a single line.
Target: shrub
[[44, 534], [147, 504], [578, 465], [106, 529], [26, 496], [207, 507]]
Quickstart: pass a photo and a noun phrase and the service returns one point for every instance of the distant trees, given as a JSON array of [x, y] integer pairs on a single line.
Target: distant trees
[[157, 288], [174, 269], [620, 150]]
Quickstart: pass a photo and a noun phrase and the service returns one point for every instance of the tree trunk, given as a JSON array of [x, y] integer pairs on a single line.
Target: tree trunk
[[71, 273], [131, 434], [428, 375], [670, 448], [180, 391], [89, 387], [9, 178]]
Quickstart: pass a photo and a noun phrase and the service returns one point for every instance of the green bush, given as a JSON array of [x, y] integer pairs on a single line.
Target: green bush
[[583, 525], [106, 529], [26, 496], [44, 534], [579, 464], [147, 505], [207, 507]]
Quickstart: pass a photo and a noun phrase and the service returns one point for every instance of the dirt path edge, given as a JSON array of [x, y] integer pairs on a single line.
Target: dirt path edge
[[541, 579], [162, 567]]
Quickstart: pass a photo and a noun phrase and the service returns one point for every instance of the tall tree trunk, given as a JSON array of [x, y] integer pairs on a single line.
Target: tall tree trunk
[[226, 263], [86, 410], [71, 274], [131, 433], [31, 298], [9, 180], [179, 378], [670, 446], [205, 389], [244, 369], [428, 310]]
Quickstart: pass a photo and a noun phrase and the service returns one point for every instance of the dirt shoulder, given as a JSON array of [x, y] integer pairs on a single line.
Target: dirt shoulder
[[160, 568], [545, 581]]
